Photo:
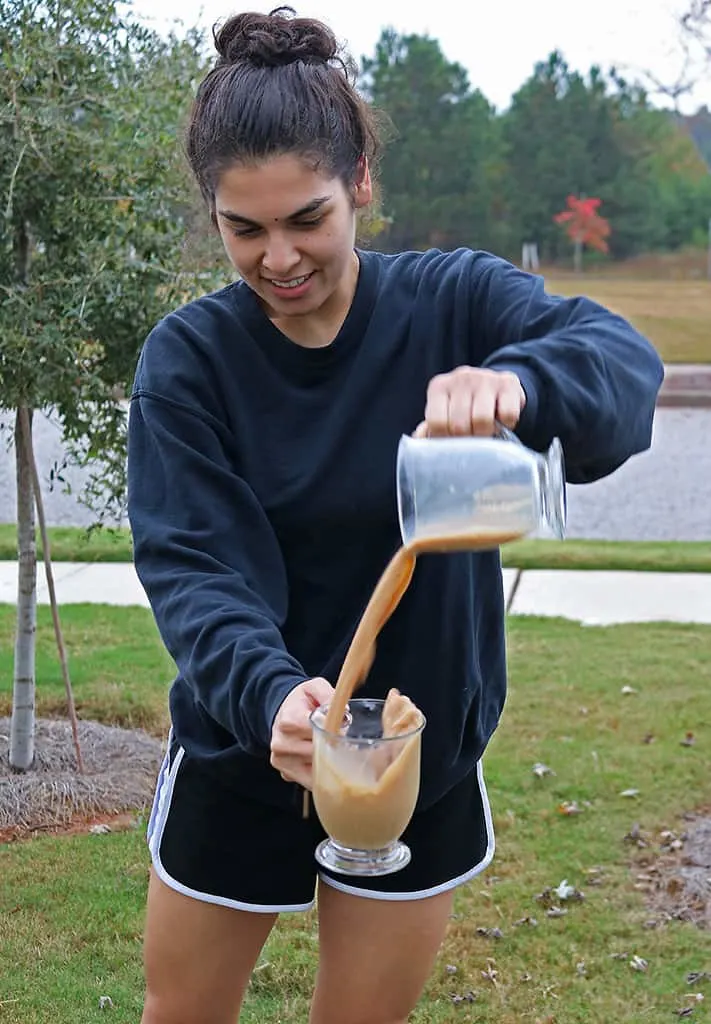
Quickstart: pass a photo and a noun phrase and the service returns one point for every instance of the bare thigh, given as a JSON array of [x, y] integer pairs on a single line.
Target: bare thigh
[[198, 957], [375, 956]]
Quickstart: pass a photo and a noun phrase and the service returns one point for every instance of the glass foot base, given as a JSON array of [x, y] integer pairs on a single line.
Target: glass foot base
[[345, 861]]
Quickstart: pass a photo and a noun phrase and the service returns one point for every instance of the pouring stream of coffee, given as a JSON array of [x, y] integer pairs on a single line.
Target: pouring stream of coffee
[[387, 595]]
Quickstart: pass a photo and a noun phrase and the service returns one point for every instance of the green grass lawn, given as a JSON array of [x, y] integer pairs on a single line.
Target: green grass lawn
[[71, 908], [72, 544]]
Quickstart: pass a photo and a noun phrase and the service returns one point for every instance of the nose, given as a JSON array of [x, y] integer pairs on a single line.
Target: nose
[[280, 256]]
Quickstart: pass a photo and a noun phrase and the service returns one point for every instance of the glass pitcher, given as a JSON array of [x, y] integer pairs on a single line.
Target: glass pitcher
[[465, 493]]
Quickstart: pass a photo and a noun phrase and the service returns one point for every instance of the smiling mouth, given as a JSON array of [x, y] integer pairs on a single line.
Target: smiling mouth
[[293, 282]]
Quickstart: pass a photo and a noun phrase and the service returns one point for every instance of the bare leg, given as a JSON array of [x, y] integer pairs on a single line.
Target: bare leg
[[198, 957], [376, 956]]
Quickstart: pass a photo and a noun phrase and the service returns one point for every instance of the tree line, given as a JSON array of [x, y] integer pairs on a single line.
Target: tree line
[[457, 172]]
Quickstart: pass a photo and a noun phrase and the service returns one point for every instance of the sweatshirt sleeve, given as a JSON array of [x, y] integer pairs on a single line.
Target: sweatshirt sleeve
[[211, 567], [590, 378]]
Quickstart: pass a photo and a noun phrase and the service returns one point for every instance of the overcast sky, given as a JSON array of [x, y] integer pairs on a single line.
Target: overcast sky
[[498, 41]]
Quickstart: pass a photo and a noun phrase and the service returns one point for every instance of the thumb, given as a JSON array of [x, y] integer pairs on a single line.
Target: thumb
[[421, 430]]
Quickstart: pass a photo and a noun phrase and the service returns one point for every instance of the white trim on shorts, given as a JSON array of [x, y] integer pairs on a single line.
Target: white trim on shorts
[[156, 827], [435, 890]]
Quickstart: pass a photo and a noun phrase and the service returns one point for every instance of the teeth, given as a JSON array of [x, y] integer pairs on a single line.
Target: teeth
[[294, 283]]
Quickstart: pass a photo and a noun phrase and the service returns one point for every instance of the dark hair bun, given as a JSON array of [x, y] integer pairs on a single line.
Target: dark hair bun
[[268, 40]]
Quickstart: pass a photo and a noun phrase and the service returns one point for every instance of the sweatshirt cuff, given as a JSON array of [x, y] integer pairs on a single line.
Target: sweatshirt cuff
[[278, 689], [528, 420]]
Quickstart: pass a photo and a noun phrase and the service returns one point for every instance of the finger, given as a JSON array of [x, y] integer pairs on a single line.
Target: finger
[[292, 765], [510, 402], [297, 771], [288, 746], [294, 725], [421, 430], [459, 416], [437, 407], [483, 411]]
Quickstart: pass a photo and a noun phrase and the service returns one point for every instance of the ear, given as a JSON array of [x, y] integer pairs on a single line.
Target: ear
[[363, 188]]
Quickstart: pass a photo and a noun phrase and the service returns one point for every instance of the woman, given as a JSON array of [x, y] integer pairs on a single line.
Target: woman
[[264, 424]]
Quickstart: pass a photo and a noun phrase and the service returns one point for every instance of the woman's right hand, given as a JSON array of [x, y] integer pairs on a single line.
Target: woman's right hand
[[292, 746]]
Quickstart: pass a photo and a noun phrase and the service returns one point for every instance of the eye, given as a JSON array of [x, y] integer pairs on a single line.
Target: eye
[[312, 222], [246, 232]]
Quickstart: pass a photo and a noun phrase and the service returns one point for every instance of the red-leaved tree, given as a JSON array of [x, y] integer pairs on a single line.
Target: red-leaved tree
[[584, 226]]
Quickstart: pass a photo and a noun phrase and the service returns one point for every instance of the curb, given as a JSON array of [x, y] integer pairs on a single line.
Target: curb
[[686, 386], [684, 400]]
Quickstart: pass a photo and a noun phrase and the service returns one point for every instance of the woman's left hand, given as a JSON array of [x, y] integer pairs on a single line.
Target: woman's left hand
[[470, 401]]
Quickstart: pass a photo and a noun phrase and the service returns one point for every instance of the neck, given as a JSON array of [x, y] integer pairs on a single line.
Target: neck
[[320, 328]]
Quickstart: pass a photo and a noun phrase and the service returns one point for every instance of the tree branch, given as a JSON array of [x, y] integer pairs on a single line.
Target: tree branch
[[13, 178]]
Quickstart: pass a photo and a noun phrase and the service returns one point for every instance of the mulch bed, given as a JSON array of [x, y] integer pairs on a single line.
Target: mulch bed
[[673, 870], [120, 770]]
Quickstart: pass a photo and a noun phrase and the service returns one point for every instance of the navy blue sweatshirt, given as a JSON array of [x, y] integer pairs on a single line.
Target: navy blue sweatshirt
[[262, 494]]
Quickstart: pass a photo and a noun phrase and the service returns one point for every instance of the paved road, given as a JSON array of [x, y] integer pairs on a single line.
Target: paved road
[[664, 494]]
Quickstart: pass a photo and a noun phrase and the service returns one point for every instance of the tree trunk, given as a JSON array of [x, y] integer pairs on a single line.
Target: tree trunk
[[22, 727], [24, 415], [578, 257]]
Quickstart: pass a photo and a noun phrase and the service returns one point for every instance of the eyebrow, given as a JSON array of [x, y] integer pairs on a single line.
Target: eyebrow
[[312, 207]]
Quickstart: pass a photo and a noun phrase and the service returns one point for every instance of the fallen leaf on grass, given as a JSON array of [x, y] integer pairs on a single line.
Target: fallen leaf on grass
[[636, 836], [566, 891], [569, 807], [541, 770], [468, 997], [671, 841], [491, 974], [563, 891], [556, 912], [629, 793]]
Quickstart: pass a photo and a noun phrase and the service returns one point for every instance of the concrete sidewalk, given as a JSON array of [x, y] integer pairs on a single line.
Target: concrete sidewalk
[[593, 598]]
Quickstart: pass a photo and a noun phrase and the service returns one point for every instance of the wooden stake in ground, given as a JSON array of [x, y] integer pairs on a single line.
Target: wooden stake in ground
[[26, 432]]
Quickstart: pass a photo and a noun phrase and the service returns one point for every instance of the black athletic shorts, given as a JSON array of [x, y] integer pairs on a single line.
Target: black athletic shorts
[[214, 844]]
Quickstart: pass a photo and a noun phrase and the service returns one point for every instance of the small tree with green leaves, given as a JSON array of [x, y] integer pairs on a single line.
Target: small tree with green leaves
[[93, 195]]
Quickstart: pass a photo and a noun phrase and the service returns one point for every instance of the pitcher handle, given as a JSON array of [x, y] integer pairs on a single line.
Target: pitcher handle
[[505, 434]]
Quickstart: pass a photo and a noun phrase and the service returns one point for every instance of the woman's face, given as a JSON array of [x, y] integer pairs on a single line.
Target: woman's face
[[289, 231]]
